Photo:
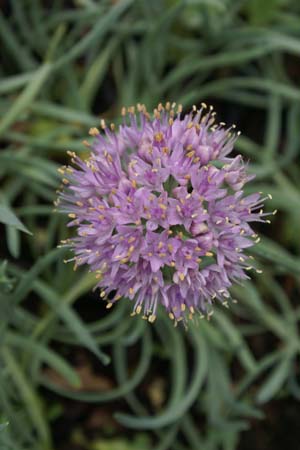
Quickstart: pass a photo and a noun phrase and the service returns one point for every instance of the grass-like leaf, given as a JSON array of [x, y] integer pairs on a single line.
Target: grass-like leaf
[[8, 217]]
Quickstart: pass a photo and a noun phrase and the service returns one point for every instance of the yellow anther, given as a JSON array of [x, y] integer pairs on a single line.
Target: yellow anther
[[190, 154], [72, 154], [131, 109], [94, 131], [158, 136], [152, 318]]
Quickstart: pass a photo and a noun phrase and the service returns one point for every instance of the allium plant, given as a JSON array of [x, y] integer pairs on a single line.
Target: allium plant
[[160, 212]]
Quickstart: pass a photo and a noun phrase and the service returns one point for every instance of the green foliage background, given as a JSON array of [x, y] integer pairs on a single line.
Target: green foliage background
[[65, 64]]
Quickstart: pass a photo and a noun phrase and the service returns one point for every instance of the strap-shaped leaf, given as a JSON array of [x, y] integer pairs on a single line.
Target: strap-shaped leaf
[[8, 217]]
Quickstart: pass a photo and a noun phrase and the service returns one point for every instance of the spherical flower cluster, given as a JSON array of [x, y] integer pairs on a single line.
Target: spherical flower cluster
[[160, 211]]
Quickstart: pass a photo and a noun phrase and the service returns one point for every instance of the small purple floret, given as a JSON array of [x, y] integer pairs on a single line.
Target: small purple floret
[[160, 211]]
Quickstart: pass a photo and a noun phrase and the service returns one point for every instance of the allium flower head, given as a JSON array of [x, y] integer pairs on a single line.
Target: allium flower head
[[160, 211]]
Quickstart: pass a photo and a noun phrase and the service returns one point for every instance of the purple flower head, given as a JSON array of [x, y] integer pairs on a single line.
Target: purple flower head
[[160, 211]]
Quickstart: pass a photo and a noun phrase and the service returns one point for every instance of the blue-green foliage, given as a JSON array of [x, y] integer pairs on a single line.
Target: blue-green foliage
[[62, 68]]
